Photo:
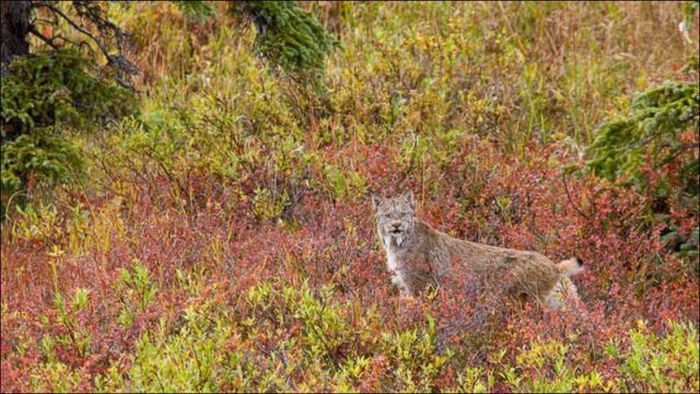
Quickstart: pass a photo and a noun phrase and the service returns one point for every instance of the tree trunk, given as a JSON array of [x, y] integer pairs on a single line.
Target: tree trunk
[[14, 19], [14, 27]]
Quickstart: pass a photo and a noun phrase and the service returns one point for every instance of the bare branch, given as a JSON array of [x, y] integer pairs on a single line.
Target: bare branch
[[75, 26], [91, 12], [568, 195], [46, 40]]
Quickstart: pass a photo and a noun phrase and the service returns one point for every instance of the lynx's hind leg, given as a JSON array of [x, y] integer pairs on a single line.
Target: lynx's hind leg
[[563, 292]]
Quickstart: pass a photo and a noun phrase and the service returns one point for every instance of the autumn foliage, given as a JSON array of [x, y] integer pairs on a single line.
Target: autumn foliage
[[222, 239]]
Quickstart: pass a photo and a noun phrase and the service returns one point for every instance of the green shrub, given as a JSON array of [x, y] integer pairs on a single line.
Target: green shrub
[[137, 289], [60, 89], [662, 364], [190, 360], [43, 97], [651, 363], [652, 151], [54, 377], [291, 38], [295, 339], [48, 159], [652, 130]]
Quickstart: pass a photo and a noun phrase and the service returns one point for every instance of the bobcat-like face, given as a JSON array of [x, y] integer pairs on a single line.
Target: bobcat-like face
[[395, 218]]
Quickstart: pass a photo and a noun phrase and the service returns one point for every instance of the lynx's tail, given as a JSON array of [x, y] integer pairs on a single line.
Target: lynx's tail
[[570, 266]]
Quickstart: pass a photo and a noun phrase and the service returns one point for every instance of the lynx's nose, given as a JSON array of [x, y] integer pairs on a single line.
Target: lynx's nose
[[396, 225]]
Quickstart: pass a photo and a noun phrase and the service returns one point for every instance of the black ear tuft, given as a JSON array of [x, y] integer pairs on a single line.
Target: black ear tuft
[[376, 201], [410, 198]]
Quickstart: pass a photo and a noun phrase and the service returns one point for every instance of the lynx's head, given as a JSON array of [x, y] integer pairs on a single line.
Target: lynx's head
[[395, 218]]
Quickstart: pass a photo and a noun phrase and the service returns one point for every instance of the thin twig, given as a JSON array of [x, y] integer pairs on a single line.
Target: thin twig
[[568, 195], [42, 37], [118, 60], [77, 27]]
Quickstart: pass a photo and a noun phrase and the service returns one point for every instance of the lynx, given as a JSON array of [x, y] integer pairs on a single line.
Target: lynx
[[418, 256]]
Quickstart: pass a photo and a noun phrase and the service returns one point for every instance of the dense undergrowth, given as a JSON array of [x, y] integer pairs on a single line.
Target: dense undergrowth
[[222, 238]]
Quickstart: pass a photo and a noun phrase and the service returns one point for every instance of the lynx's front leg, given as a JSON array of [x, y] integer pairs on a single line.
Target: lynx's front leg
[[398, 281]]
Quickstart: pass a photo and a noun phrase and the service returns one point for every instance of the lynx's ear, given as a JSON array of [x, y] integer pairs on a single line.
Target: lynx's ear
[[410, 199], [376, 201]]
